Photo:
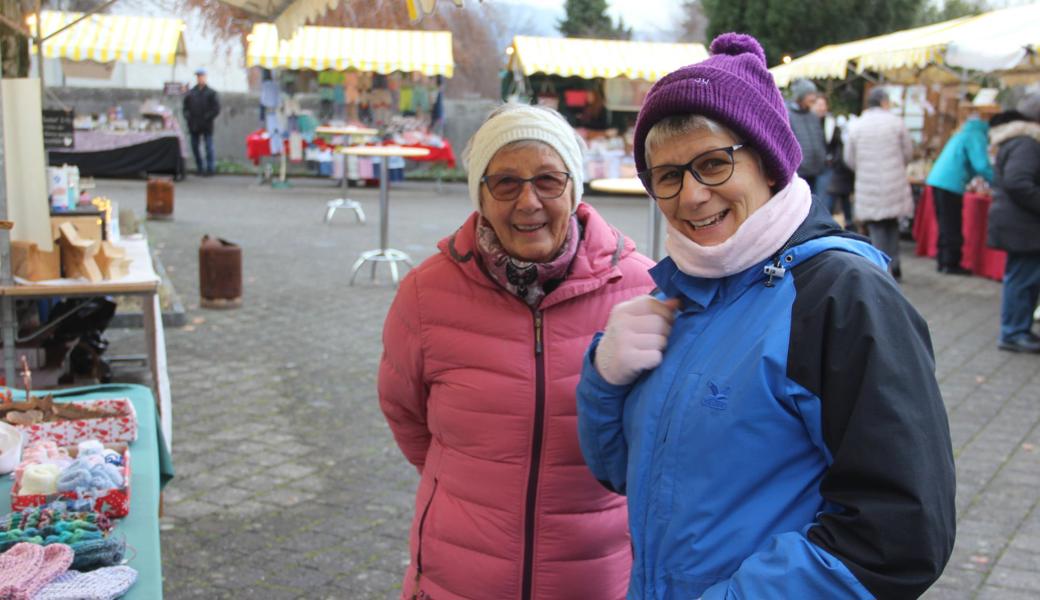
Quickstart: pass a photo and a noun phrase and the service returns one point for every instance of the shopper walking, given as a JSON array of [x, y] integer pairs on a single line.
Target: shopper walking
[[842, 179], [775, 423], [964, 156], [201, 107], [808, 130], [483, 346], [878, 150], [1014, 220]]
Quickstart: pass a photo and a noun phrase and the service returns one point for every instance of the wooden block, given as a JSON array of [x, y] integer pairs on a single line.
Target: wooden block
[[29, 262], [77, 254], [88, 226], [112, 261]]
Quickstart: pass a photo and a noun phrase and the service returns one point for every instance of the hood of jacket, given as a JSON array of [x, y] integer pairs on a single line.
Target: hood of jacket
[[1002, 133], [600, 250]]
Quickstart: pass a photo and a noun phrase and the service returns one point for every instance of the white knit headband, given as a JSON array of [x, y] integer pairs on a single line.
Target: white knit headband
[[525, 123]]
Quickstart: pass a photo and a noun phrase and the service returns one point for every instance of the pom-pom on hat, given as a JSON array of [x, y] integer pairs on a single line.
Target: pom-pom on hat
[[734, 88]]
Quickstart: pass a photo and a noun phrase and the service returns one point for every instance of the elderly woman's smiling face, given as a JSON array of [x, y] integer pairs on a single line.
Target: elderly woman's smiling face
[[531, 226], [710, 214]]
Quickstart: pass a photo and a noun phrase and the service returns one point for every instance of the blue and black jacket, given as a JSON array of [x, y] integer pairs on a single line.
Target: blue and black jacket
[[791, 444]]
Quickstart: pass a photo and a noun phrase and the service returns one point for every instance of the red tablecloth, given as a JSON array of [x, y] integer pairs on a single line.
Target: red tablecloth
[[975, 255], [443, 154]]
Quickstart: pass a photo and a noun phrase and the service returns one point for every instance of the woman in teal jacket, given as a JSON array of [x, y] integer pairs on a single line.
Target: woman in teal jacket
[[772, 413], [964, 156]]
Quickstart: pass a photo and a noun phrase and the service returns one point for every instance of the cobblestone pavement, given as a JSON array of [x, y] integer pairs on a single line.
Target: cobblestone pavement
[[288, 482]]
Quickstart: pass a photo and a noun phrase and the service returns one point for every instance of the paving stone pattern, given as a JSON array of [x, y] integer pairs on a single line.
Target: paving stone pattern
[[288, 482]]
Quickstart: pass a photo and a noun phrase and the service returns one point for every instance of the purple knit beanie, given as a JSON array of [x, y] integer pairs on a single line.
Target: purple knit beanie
[[733, 88]]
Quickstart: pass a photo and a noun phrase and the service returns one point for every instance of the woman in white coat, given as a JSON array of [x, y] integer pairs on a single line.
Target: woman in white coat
[[878, 150]]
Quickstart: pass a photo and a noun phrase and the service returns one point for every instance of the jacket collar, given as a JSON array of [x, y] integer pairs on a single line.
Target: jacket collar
[[1002, 133], [698, 293], [600, 250]]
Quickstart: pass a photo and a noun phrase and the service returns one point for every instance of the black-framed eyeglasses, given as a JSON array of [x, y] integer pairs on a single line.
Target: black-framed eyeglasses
[[547, 186], [711, 168]]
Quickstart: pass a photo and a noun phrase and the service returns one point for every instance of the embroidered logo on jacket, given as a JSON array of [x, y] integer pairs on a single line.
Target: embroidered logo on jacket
[[718, 399]]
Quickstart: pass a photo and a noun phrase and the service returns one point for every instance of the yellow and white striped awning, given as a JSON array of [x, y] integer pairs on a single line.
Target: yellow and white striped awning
[[107, 38], [590, 59], [340, 48], [904, 54]]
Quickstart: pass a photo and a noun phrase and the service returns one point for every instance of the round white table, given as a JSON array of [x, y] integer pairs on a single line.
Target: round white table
[[633, 187], [384, 253], [345, 130]]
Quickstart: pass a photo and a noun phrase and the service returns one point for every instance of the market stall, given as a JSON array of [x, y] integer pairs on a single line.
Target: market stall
[[389, 80], [122, 141], [108, 526], [598, 85]]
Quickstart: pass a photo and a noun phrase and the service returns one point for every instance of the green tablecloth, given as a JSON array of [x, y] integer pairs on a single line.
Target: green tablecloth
[[151, 467]]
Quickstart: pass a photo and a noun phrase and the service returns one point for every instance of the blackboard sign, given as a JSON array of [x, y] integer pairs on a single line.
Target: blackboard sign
[[57, 128], [174, 88]]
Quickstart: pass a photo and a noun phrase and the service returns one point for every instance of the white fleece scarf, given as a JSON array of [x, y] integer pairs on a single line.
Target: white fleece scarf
[[757, 238]]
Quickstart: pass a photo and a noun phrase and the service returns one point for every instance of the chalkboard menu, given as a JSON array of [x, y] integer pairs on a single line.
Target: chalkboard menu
[[57, 128]]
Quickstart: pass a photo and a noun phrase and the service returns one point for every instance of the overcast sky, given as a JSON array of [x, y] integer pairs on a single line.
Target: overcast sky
[[649, 17]]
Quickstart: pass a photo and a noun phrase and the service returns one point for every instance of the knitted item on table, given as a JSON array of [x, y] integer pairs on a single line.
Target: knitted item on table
[[52, 525], [26, 568], [104, 552], [104, 584], [17, 566], [56, 560]]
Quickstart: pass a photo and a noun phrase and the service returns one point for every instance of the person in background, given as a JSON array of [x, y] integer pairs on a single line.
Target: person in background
[[821, 109], [963, 157], [437, 111], [808, 130], [772, 411], [840, 187], [201, 107], [482, 347], [878, 150], [1014, 220]]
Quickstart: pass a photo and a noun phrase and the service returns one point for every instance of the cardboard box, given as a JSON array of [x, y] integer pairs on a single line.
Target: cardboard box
[[88, 226], [115, 503], [107, 430], [29, 262]]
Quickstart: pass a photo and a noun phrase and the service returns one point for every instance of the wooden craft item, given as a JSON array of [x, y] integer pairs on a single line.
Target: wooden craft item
[[88, 226], [112, 261], [33, 264], [77, 254]]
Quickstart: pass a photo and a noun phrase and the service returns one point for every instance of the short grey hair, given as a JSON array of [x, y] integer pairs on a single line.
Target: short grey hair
[[669, 128]]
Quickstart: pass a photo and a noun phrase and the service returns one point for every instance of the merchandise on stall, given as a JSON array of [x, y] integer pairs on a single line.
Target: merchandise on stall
[[385, 80], [597, 85]]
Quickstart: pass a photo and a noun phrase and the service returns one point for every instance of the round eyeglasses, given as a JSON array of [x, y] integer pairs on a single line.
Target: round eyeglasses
[[547, 186], [711, 168]]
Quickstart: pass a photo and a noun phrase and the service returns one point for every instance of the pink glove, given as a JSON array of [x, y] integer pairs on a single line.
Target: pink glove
[[637, 333]]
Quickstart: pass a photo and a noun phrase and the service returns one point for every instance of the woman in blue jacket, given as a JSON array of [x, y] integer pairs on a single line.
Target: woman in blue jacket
[[963, 157], [772, 412]]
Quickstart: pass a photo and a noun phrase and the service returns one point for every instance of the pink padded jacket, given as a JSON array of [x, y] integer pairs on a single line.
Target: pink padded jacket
[[478, 390]]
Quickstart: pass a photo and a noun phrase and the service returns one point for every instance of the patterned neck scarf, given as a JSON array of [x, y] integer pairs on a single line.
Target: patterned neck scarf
[[530, 281]]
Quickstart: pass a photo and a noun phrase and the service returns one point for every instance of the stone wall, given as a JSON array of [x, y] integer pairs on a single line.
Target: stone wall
[[240, 114]]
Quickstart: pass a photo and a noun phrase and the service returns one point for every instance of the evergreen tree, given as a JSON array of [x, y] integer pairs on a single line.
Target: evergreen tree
[[589, 19], [795, 27]]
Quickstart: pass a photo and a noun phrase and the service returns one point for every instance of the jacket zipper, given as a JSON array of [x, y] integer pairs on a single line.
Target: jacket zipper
[[536, 452], [418, 551]]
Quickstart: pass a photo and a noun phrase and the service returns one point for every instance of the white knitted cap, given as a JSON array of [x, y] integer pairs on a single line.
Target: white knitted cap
[[514, 122]]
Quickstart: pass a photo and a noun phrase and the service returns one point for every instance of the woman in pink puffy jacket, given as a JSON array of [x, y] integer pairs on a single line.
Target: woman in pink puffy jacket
[[483, 348]]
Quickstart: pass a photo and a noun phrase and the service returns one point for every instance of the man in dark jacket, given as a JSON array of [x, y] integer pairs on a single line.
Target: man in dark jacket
[[807, 130], [1014, 220], [201, 107]]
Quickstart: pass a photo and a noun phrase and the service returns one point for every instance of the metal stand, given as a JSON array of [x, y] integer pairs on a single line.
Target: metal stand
[[332, 205], [654, 234], [384, 253]]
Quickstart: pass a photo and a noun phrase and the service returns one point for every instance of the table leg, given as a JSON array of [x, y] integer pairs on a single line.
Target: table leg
[[654, 237], [384, 204], [9, 333]]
